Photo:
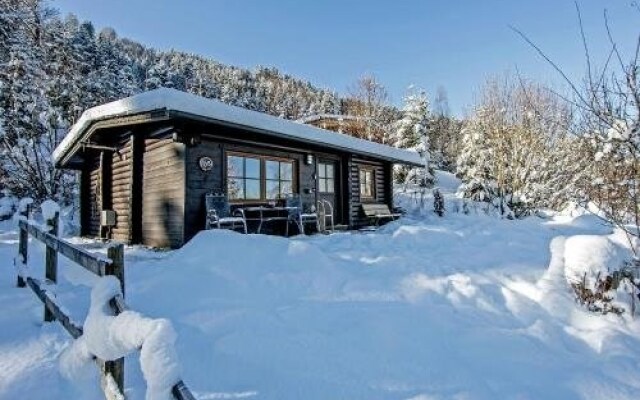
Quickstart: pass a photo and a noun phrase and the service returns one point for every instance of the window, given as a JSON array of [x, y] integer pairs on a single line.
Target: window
[[253, 177], [243, 175], [326, 177], [279, 178], [367, 183]]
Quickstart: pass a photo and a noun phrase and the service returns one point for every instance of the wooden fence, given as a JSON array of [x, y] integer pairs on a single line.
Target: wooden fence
[[112, 372]]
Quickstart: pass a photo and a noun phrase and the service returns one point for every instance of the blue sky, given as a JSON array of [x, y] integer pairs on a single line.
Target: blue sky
[[454, 44]]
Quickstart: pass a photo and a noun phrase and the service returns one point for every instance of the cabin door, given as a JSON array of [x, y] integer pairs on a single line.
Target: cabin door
[[328, 188]]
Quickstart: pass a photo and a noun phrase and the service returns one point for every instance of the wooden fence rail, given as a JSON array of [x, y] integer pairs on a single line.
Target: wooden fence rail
[[113, 265]]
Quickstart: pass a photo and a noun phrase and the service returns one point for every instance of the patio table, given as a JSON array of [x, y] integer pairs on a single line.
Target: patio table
[[269, 214]]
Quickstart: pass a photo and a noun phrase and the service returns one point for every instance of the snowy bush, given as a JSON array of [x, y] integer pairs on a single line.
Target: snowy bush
[[613, 171], [598, 297], [438, 202], [601, 272], [516, 151], [478, 190]]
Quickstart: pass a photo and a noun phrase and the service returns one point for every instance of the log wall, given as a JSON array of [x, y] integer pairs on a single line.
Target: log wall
[[383, 182], [121, 179], [163, 193]]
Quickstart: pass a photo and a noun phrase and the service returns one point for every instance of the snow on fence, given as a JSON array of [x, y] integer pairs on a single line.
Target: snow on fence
[[112, 371]]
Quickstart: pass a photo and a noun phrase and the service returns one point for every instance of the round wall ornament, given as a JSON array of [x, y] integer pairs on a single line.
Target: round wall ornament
[[205, 163]]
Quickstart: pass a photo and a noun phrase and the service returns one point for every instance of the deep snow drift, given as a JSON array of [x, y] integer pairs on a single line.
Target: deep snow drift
[[460, 307]]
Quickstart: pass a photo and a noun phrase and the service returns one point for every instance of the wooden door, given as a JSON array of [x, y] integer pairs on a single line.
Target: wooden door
[[328, 186]]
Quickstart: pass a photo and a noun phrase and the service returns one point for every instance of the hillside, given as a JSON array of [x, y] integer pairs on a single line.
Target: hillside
[[52, 68]]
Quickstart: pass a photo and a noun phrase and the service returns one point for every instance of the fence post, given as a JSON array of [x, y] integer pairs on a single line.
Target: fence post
[[23, 246], [51, 262], [116, 253]]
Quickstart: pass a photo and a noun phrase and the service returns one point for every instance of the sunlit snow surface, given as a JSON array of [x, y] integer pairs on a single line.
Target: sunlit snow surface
[[460, 307]]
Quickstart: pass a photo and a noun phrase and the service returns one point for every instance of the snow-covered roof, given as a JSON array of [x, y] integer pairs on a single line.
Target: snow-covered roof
[[175, 100]]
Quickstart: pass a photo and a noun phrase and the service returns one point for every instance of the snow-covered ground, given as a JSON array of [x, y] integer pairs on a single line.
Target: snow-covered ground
[[425, 308]]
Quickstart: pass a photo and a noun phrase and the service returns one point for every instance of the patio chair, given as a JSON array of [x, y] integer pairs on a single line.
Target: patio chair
[[297, 215], [219, 213], [325, 213]]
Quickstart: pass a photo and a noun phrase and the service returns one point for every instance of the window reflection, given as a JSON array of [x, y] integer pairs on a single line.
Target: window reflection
[[258, 178]]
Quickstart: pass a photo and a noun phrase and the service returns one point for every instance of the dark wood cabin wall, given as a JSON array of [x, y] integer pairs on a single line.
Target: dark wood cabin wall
[[135, 201], [105, 184], [200, 182], [93, 202], [85, 193], [381, 189], [163, 193], [388, 183], [121, 190]]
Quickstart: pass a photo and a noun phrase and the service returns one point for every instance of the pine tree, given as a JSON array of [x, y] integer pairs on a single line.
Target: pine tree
[[28, 134], [474, 164], [412, 133]]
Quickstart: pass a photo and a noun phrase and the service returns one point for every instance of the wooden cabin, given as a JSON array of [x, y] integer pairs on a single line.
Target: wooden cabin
[[151, 158]]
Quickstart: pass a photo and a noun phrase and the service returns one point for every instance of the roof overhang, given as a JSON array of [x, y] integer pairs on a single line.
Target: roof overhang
[[63, 155], [163, 104]]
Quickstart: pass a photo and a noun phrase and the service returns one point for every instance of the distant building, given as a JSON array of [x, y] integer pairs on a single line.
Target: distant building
[[348, 124]]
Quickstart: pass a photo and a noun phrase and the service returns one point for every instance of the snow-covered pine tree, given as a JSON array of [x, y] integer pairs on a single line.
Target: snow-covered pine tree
[[113, 74], [157, 75], [474, 163], [412, 133], [10, 11], [28, 133]]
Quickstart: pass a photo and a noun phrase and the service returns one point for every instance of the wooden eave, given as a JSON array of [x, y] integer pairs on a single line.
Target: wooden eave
[[69, 159]]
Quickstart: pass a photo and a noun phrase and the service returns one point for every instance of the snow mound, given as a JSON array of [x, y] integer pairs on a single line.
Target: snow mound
[[24, 203], [590, 256], [49, 209], [447, 181], [226, 264]]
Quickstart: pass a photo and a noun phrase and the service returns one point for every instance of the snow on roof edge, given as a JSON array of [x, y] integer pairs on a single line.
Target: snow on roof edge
[[172, 99]]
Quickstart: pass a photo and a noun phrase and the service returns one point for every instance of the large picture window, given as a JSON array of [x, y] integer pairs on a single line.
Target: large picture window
[[255, 177], [367, 187], [279, 178], [326, 177]]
